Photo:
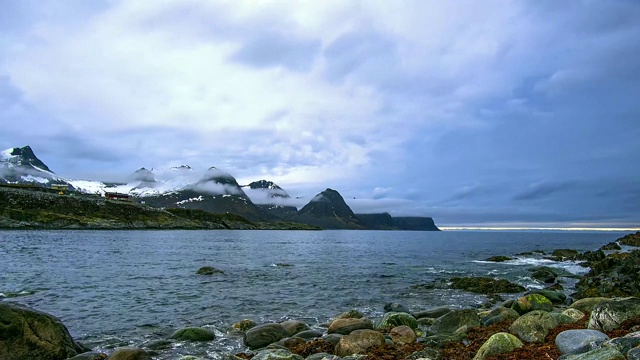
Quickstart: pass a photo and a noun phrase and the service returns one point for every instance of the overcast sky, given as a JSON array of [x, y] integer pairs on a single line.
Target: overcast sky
[[473, 112]]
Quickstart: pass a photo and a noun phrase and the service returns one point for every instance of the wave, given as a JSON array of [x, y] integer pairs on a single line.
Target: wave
[[572, 267]]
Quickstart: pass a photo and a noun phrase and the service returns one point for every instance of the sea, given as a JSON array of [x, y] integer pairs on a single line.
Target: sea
[[131, 288]]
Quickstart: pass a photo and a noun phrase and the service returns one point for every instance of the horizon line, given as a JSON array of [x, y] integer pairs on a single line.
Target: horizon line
[[511, 228]]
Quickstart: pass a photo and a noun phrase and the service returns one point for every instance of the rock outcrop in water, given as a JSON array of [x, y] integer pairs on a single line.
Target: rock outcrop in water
[[27, 334]]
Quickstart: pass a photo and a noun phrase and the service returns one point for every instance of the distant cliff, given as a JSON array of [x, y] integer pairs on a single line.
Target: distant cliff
[[385, 221]]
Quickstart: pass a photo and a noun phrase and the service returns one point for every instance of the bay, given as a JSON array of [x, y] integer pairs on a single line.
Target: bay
[[115, 288]]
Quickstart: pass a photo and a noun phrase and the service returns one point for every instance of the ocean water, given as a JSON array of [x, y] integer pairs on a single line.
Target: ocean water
[[127, 288]]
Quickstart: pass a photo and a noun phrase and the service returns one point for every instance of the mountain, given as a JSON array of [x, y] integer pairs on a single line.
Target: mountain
[[269, 188], [385, 221], [22, 166], [329, 210], [217, 192]]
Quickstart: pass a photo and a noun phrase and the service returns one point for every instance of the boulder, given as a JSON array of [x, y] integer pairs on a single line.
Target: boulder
[[586, 305], [562, 318], [395, 307], [611, 246], [498, 314], [27, 334], [332, 338], [625, 343], [309, 334], [91, 355], [556, 297], [634, 354], [291, 342], [193, 334], [209, 270], [350, 314], [452, 321], [426, 354], [631, 239], [242, 326], [293, 327], [402, 335], [276, 354], [532, 302], [485, 285], [574, 314], [579, 341], [544, 275], [615, 276], [346, 326], [497, 344], [393, 319], [498, 258], [597, 354], [431, 313], [263, 335], [565, 253], [127, 353], [533, 326], [610, 315], [323, 356], [358, 342]]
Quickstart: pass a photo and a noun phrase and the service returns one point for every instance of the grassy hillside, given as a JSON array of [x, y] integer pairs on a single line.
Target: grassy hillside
[[29, 209]]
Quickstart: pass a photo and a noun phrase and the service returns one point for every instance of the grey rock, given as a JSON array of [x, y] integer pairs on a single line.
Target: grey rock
[[633, 354], [209, 270], [322, 356], [395, 307], [310, 334], [346, 326], [452, 321], [158, 344], [127, 353], [533, 326], [625, 343], [579, 341], [332, 338], [426, 354], [609, 315], [432, 313], [597, 354], [193, 334], [276, 354], [499, 314], [358, 342], [293, 327], [263, 335]]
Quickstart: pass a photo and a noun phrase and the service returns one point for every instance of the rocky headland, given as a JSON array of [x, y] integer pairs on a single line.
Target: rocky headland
[[599, 319]]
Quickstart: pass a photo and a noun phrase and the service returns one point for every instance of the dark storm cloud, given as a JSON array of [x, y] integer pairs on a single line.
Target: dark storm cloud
[[275, 49], [543, 189]]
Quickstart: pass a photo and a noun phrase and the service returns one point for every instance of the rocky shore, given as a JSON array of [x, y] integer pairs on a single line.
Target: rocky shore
[[599, 319]]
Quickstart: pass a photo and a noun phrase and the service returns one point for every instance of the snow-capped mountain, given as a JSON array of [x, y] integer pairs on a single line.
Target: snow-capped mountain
[[22, 166], [267, 188]]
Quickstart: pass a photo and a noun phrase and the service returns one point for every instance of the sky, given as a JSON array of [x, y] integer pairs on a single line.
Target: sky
[[478, 113]]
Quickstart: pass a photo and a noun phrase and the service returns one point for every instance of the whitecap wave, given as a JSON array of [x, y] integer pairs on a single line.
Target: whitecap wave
[[572, 267]]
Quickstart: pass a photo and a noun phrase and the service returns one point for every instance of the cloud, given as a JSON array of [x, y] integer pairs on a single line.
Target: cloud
[[450, 106]]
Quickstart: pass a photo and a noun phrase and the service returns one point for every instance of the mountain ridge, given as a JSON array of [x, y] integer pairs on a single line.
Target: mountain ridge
[[215, 191]]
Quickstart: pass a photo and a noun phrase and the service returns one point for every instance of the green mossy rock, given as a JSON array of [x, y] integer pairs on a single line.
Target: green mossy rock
[[393, 319], [263, 335], [556, 297], [242, 326], [346, 326], [350, 314], [532, 302], [498, 314], [498, 258], [598, 354], [533, 326], [631, 239], [586, 305], [485, 285], [193, 334], [454, 320], [497, 344], [27, 334], [293, 327]]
